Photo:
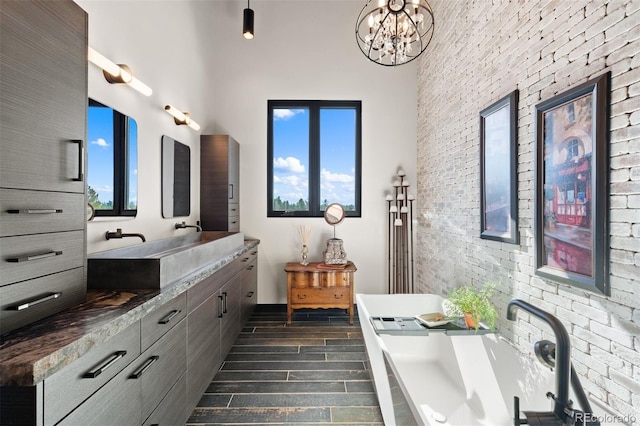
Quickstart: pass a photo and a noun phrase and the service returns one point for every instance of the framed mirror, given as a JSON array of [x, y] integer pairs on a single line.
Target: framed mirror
[[176, 178], [334, 214]]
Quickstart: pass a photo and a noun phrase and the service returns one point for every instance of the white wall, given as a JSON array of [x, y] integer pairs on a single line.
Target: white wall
[[302, 50]]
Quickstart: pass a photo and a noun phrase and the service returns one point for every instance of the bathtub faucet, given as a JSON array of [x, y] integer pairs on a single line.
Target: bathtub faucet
[[184, 225], [562, 410], [120, 234]]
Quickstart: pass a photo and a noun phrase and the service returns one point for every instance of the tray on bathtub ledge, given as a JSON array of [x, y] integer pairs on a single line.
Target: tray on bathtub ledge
[[409, 326]]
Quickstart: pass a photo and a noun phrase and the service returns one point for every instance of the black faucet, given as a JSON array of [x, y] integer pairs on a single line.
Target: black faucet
[[562, 410], [184, 225], [120, 234]]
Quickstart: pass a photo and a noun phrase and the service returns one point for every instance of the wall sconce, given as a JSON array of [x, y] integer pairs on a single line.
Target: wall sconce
[[117, 73], [247, 22], [180, 117]]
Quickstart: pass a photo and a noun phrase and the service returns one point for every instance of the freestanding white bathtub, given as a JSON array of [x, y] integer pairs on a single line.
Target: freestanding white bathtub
[[448, 380]]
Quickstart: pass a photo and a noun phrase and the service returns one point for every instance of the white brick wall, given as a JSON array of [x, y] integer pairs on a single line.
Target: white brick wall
[[480, 52]]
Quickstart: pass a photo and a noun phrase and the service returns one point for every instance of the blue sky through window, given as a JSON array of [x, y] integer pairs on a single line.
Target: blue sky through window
[[337, 155]]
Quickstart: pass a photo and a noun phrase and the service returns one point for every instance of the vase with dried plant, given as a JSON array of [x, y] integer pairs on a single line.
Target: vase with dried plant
[[304, 231]]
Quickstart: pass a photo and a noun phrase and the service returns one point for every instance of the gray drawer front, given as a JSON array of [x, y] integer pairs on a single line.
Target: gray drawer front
[[234, 223], [172, 410], [158, 322], [72, 383], [32, 256], [29, 301], [234, 209], [37, 212], [116, 403], [164, 372]]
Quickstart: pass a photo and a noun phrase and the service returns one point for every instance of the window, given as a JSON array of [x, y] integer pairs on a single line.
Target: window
[[112, 161], [313, 157]]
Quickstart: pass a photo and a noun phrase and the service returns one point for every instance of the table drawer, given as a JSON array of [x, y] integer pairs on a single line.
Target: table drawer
[[70, 386], [24, 212], [30, 256], [28, 301], [158, 322], [323, 295], [234, 223]]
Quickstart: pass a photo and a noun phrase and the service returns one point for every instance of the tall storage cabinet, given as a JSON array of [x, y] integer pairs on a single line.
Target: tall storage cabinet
[[43, 107], [219, 183]]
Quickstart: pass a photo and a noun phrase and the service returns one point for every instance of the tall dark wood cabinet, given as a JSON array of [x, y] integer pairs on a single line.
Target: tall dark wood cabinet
[[219, 183], [43, 107]]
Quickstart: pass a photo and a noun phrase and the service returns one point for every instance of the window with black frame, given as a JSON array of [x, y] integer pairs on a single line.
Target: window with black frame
[[314, 157], [112, 169]]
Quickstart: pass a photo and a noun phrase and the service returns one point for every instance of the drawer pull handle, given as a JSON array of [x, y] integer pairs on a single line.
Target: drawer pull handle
[[92, 374], [35, 256], [140, 371], [224, 303], [338, 296], [250, 294], [167, 318], [34, 211], [244, 259], [80, 175], [32, 303], [253, 253], [220, 307], [250, 268], [231, 191], [302, 296]]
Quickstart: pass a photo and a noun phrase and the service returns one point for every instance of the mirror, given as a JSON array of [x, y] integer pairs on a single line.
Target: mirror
[[334, 214], [176, 178], [112, 161]]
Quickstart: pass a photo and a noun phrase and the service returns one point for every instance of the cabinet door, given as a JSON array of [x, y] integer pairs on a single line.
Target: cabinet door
[[231, 324], [234, 171], [203, 348], [43, 95]]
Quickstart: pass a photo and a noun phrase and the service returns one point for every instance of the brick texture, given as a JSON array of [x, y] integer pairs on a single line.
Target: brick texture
[[479, 54]]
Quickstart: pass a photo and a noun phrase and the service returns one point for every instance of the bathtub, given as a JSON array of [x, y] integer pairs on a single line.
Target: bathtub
[[440, 379]]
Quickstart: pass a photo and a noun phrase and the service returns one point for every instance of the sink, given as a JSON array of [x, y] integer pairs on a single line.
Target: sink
[[156, 264]]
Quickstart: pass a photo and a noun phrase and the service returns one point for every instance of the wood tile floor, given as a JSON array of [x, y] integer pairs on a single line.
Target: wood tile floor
[[309, 372]]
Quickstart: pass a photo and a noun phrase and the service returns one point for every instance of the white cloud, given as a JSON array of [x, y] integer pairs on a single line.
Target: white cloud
[[100, 142], [327, 176], [285, 114], [290, 164], [107, 189]]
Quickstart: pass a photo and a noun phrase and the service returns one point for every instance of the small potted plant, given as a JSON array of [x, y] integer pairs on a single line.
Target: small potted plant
[[475, 305]]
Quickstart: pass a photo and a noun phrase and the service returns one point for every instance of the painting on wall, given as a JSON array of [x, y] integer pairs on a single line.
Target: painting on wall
[[571, 211], [498, 170]]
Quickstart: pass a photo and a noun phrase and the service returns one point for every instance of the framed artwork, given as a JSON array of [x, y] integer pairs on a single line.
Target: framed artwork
[[571, 186], [498, 170]]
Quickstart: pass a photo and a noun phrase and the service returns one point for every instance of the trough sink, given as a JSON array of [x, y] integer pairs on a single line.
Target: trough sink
[[156, 264]]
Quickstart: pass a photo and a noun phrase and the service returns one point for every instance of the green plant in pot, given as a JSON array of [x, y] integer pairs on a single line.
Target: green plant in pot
[[474, 304]]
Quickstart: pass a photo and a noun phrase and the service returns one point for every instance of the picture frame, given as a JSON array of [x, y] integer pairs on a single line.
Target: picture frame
[[498, 170], [571, 186]]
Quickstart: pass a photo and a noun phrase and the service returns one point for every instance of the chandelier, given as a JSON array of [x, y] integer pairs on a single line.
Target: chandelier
[[394, 32]]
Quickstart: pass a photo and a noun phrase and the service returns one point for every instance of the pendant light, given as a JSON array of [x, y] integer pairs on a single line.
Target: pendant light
[[247, 23]]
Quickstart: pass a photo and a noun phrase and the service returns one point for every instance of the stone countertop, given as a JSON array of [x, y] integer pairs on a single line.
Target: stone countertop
[[32, 353]]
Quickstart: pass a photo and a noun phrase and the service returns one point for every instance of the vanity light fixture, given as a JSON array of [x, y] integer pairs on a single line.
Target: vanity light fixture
[[117, 73], [180, 117], [247, 23]]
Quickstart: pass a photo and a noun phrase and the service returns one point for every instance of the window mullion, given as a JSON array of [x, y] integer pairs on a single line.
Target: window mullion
[[314, 159], [118, 166]]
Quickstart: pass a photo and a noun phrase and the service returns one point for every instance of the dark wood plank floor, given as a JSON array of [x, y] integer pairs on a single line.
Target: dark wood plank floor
[[309, 372]]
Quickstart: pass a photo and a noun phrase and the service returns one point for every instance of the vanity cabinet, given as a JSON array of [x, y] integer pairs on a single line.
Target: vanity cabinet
[[219, 183], [214, 322], [43, 107]]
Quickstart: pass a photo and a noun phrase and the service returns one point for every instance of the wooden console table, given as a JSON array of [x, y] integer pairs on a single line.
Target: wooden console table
[[323, 286]]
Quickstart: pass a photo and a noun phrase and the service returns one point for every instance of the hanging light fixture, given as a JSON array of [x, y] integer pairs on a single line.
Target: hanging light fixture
[[394, 32], [247, 23]]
